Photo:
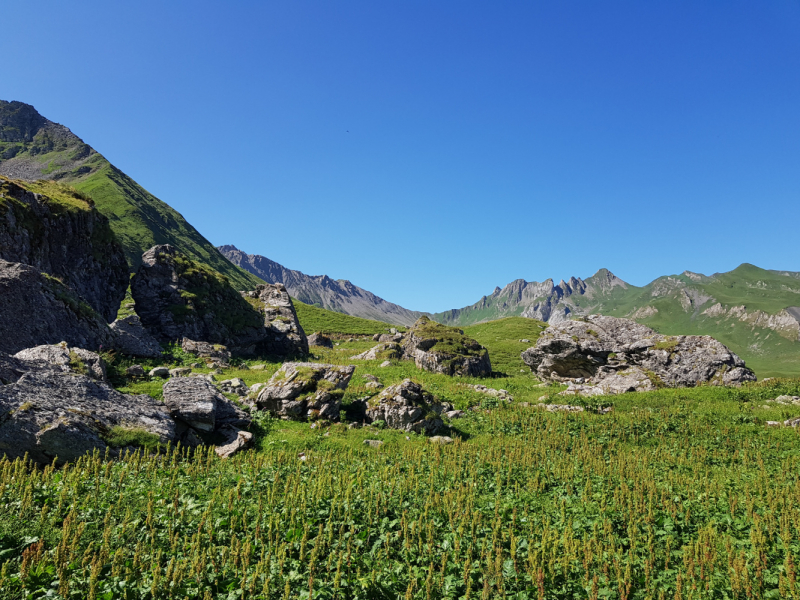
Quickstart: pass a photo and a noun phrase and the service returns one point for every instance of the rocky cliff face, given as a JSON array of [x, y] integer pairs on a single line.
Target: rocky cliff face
[[58, 231], [340, 296]]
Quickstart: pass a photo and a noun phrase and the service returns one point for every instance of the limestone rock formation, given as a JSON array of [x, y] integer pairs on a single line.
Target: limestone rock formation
[[440, 349], [284, 335], [61, 234], [178, 298], [129, 337], [319, 339], [62, 358], [306, 391], [408, 407], [608, 355], [37, 309], [48, 413]]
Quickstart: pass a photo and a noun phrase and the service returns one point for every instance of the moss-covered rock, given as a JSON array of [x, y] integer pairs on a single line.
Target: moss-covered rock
[[441, 349]]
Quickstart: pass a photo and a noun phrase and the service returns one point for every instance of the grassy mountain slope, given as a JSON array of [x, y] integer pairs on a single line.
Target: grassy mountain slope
[[33, 148], [313, 318], [502, 339]]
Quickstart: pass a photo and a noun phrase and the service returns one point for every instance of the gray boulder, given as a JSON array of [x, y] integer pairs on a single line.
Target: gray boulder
[[178, 298], [284, 335], [607, 355], [408, 407], [197, 403], [302, 391], [65, 359], [37, 309], [318, 339], [49, 414], [440, 349], [234, 440], [63, 235], [131, 338]]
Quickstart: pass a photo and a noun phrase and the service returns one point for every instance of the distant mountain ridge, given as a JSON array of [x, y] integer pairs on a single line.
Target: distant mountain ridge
[[756, 312], [33, 147], [320, 290]]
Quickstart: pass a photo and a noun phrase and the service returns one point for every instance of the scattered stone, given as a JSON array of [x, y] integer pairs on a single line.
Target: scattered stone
[[37, 309], [135, 371], [441, 440], [381, 351], [235, 441], [234, 386], [198, 404], [392, 330], [373, 443], [440, 349], [66, 359], [786, 400], [179, 371], [501, 394], [159, 372], [525, 404], [258, 367], [408, 407], [792, 422], [196, 365], [318, 339], [255, 388], [611, 356], [525, 341], [774, 424], [207, 376], [376, 337], [454, 414], [373, 385], [369, 377], [386, 363], [559, 407], [301, 391], [215, 352], [131, 338]]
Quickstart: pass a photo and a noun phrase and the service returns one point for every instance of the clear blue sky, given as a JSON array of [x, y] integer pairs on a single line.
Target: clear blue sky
[[428, 151]]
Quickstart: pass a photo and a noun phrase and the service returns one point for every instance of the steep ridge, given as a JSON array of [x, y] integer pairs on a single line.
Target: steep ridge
[[754, 311], [34, 148], [320, 290]]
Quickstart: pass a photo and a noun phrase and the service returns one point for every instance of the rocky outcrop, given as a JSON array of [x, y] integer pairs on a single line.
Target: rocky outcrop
[[61, 357], [131, 338], [37, 309], [408, 407], [385, 351], [61, 234], [212, 353], [319, 339], [440, 349], [284, 336], [336, 295], [306, 391], [48, 414], [607, 355], [179, 298]]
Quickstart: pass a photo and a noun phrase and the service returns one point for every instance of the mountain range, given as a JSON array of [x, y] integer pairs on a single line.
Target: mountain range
[[320, 290], [33, 147]]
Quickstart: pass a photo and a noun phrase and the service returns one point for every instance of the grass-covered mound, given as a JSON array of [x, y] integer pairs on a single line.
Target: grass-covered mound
[[502, 339], [313, 318]]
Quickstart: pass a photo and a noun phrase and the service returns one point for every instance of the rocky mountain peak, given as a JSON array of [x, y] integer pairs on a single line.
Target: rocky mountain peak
[[19, 122]]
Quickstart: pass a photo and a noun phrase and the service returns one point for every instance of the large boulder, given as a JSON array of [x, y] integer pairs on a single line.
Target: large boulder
[[49, 414], [198, 404], [440, 349], [38, 309], [306, 391], [609, 355], [320, 339], [407, 406], [178, 298], [131, 338], [65, 359], [57, 231], [284, 335]]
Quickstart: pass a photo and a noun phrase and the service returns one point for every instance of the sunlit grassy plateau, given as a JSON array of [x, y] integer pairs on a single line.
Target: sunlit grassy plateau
[[674, 494]]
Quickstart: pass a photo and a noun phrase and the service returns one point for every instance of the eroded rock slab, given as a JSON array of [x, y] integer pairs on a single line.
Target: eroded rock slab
[[68, 360], [131, 338], [384, 351]]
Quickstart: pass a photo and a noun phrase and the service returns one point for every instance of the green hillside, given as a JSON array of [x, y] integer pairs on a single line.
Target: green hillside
[[313, 318], [502, 339], [33, 148]]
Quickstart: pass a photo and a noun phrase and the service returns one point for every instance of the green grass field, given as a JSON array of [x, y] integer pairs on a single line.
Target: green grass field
[[674, 494]]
